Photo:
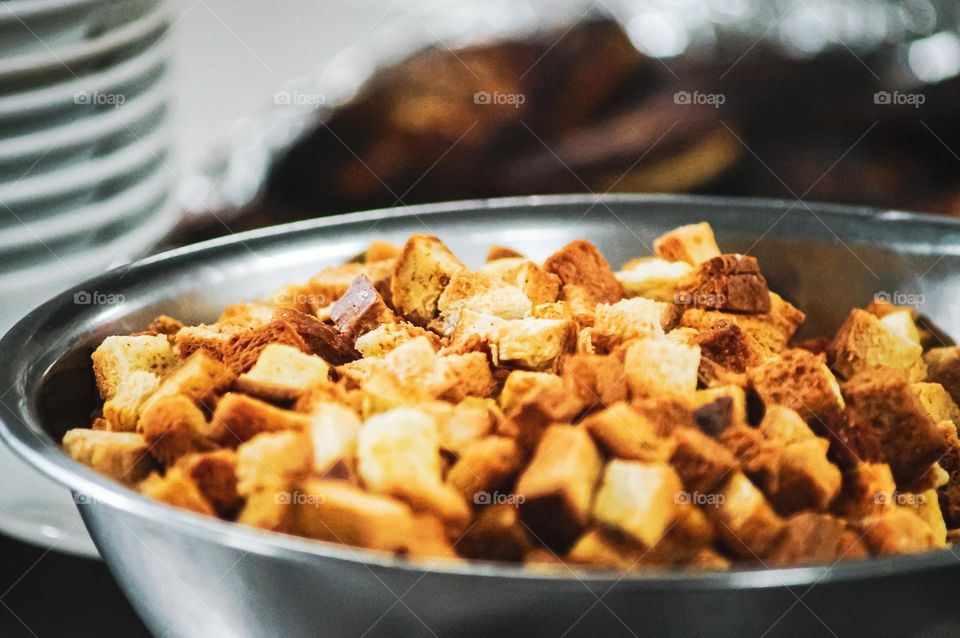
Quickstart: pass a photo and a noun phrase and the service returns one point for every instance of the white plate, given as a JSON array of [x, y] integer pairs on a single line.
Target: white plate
[[87, 130], [70, 58]]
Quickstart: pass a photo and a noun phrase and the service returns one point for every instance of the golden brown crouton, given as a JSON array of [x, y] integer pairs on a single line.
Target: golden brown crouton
[[863, 343], [692, 244], [173, 426], [178, 489], [334, 430], [815, 538], [533, 400], [495, 253], [660, 366], [772, 330], [638, 499], [497, 534], [238, 418], [123, 410], [273, 461], [484, 293], [246, 315], [485, 465], [455, 377], [937, 401], [211, 339], [626, 433], [868, 490], [727, 282], [215, 475], [654, 278], [537, 284], [701, 462], [388, 336], [534, 344], [557, 486], [799, 380], [200, 378], [717, 408], [580, 264], [117, 357], [943, 367], [165, 325], [746, 524], [625, 320], [898, 530], [283, 373], [469, 420], [242, 351], [596, 380], [122, 456], [378, 250], [730, 346], [422, 271]]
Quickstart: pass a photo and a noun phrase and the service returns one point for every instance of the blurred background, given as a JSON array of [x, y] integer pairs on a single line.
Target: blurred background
[[130, 126]]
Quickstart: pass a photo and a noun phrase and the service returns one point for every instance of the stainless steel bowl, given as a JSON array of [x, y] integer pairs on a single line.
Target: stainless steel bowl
[[189, 575]]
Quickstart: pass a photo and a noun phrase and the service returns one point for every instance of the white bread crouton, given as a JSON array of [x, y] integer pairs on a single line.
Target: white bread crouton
[[481, 292], [654, 278], [692, 244], [283, 373], [119, 356], [535, 344], [334, 430], [937, 401], [638, 499], [174, 426], [660, 366], [746, 523], [273, 461], [423, 270], [388, 336], [123, 411], [120, 455], [863, 342], [176, 488]]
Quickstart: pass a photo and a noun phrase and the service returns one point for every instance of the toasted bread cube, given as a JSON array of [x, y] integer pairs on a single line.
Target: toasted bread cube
[[338, 512], [399, 454], [727, 344], [882, 401], [484, 466], [211, 339], [717, 408], [273, 461], [174, 426], [328, 285], [244, 348], [660, 366], [701, 462], [246, 315], [379, 250], [498, 253], [863, 342], [482, 292], [215, 475], [638, 499], [470, 420], [581, 264], [937, 401], [799, 380], [899, 530], [599, 548], [654, 278], [458, 376], [810, 538], [747, 525], [201, 378], [521, 383], [902, 324], [412, 360], [729, 282], [807, 479], [631, 318], [868, 490], [928, 508], [176, 488], [472, 325], [334, 431], [596, 380], [388, 336], [943, 367], [239, 418], [117, 357], [123, 456], [626, 433], [360, 310], [535, 344], [784, 425], [537, 284], [422, 272], [692, 244], [123, 410], [283, 373], [557, 487], [531, 403], [772, 331], [497, 534]]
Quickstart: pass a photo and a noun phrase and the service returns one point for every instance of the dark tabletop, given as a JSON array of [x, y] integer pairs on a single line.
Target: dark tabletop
[[50, 594]]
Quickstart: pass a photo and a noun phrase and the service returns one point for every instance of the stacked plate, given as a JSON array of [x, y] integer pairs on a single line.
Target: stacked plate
[[84, 176]]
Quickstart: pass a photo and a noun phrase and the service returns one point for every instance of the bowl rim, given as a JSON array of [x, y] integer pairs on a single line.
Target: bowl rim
[[20, 424]]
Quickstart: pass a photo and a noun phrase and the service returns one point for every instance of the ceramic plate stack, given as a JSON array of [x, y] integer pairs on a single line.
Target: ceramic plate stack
[[84, 179]]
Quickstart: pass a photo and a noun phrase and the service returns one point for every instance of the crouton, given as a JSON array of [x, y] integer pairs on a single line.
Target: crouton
[[638, 499], [379, 250], [423, 270], [580, 264], [600, 548], [937, 402], [469, 420], [626, 433], [246, 315], [211, 339], [498, 534], [799, 380], [629, 319], [898, 531], [557, 486], [784, 425], [481, 292], [238, 418], [809, 537], [273, 461], [123, 456], [174, 426], [596, 380], [215, 475], [268, 509], [943, 367], [458, 376], [807, 480], [388, 336], [328, 285], [485, 466], [868, 490], [495, 253], [360, 310], [320, 339], [283, 373], [165, 325], [123, 410], [176, 488], [746, 523], [201, 378], [242, 351], [715, 409], [654, 278], [398, 454], [701, 462], [334, 431], [117, 357], [727, 282], [531, 401], [659, 366], [772, 330], [692, 244], [537, 284], [535, 344], [863, 342], [729, 345]]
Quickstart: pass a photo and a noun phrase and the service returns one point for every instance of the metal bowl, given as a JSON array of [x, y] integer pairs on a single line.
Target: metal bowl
[[188, 575]]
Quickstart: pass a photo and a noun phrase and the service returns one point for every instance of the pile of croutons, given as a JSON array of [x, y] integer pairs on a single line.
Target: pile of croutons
[[555, 413]]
